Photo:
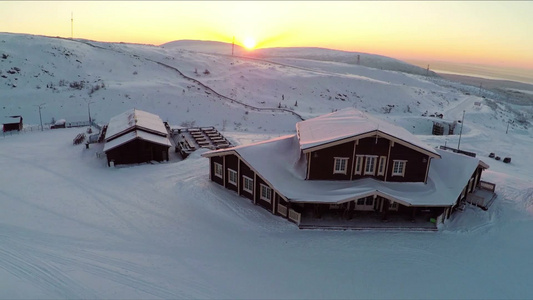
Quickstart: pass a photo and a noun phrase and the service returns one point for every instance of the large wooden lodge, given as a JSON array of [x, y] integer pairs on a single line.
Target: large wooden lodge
[[350, 170]]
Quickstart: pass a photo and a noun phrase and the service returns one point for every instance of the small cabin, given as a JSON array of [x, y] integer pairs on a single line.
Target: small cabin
[[136, 136], [12, 123], [59, 124]]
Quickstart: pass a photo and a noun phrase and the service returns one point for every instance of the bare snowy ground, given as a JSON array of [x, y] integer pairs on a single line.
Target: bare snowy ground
[[72, 228]]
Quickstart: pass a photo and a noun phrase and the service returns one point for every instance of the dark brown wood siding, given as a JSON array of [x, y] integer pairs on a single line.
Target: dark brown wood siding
[[232, 162], [246, 171], [260, 202], [371, 146], [137, 151], [322, 162], [415, 168], [13, 126], [213, 160]]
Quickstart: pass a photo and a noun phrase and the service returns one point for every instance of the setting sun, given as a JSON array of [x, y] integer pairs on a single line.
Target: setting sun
[[249, 43]]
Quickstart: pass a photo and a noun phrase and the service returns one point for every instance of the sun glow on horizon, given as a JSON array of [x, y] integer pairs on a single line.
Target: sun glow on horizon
[[249, 43], [498, 34]]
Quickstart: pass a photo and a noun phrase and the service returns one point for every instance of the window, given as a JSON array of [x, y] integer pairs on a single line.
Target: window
[[358, 164], [340, 165], [382, 165], [398, 168], [393, 206], [218, 170], [248, 184], [266, 193], [365, 204], [370, 165], [232, 176]]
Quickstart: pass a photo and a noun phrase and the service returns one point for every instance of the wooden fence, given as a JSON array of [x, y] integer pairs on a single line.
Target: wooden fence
[[294, 216], [487, 186], [282, 210]]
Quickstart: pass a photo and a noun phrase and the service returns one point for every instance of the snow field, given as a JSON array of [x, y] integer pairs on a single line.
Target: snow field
[[77, 229]]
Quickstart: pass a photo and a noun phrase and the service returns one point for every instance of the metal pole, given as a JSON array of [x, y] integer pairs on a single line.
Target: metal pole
[[40, 118], [506, 131], [461, 131], [89, 109]]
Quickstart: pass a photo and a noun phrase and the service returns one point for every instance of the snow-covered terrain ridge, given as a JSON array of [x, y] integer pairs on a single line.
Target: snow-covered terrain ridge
[[70, 227]]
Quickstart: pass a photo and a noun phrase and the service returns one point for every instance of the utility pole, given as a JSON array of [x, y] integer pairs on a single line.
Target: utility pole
[[40, 118], [461, 131], [232, 45], [480, 86], [89, 110], [427, 71], [507, 130], [71, 25]]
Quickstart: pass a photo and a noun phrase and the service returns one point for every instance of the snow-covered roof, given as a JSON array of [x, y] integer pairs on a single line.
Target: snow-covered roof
[[10, 119], [134, 118], [286, 173], [348, 123], [136, 134]]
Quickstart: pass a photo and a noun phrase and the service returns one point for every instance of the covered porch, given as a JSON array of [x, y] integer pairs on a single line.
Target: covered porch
[[348, 216]]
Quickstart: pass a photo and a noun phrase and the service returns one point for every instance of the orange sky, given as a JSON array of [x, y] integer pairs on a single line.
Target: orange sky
[[495, 33]]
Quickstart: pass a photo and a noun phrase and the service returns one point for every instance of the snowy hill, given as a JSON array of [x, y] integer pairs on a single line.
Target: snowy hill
[[318, 54], [73, 228]]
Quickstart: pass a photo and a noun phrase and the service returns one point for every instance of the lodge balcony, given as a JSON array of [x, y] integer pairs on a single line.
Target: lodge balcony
[[483, 196]]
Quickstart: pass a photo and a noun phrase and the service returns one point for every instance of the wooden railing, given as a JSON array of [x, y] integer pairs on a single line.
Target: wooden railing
[[294, 216], [475, 200], [282, 210], [487, 186]]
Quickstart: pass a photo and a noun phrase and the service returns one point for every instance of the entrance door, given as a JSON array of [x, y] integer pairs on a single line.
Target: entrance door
[[365, 204]]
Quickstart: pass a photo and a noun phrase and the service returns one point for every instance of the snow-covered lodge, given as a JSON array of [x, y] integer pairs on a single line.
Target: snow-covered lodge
[[136, 136], [350, 170]]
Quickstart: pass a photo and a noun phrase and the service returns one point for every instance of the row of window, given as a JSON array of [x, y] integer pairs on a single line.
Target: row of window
[[367, 202], [248, 183], [266, 191], [366, 165]]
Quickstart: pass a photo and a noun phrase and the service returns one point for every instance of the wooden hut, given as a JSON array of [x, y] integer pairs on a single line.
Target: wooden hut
[[136, 136], [11, 123]]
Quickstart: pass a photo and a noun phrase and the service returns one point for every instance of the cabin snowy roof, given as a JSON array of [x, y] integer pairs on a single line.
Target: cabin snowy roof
[[135, 118], [10, 119], [348, 123], [286, 173], [136, 134]]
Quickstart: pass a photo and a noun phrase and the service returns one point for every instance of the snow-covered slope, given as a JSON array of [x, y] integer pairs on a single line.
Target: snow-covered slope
[[70, 227], [318, 54]]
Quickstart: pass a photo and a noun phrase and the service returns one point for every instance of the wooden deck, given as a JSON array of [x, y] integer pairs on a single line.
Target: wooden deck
[[188, 140], [482, 198]]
